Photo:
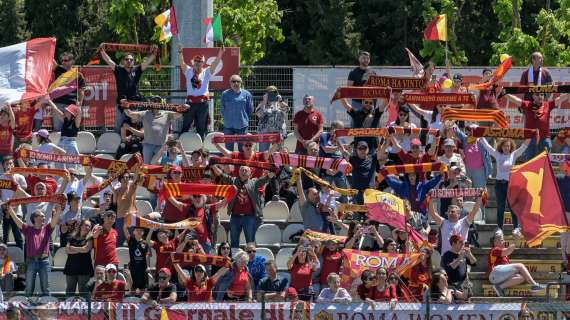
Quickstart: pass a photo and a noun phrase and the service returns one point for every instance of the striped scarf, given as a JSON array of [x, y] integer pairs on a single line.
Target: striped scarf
[[514, 133], [414, 168], [551, 88], [136, 105], [186, 259], [40, 171], [362, 132], [50, 157], [456, 193], [297, 172], [58, 198], [262, 137], [345, 207], [320, 236], [439, 98], [8, 185], [135, 48], [177, 190], [188, 173], [241, 162], [298, 160], [499, 73], [151, 183], [396, 83], [476, 115], [559, 157], [92, 190], [140, 222], [415, 131], [362, 93]]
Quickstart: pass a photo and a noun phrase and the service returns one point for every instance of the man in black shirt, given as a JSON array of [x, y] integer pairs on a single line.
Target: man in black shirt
[[139, 258], [455, 261], [162, 292], [127, 77], [273, 286], [359, 75], [75, 96], [364, 167], [367, 117]]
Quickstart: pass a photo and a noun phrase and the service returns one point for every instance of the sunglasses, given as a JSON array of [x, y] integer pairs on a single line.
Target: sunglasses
[[382, 273], [248, 145], [251, 251], [198, 270], [236, 81], [368, 103], [162, 278], [402, 114], [65, 60], [225, 248], [112, 271], [370, 279], [129, 59], [362, 148]]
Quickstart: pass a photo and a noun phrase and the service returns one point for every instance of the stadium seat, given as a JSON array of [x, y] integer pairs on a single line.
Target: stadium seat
[[221, 235], [16, 254], [190, 141], [126, 157], [435, 260], [264, 252], [144, 207], [50, 299], [55, 136], [282, 256], [268, 235], [86, 143], [285, 275], [108, 142], [123, 255], [57, 281], [276, 211], [143, 193], [295, 213], [223, 214], [18, 299], [99, 171], [208, 145], [291, 230], [59, 258], [290, 142]]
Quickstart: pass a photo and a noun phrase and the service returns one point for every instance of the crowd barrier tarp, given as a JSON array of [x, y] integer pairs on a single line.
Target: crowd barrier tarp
[[322, 82], [273, 311]]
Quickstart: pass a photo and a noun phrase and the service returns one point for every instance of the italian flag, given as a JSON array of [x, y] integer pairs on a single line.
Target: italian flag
[[167, 23], [214, 32]]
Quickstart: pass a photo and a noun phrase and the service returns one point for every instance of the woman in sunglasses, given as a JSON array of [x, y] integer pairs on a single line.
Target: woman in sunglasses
[[199, 286], [224, 250]]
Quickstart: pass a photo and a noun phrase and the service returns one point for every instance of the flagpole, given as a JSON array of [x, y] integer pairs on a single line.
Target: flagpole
[[447, 66]]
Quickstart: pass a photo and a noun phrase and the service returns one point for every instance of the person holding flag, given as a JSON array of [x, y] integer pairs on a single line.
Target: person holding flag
[[74, 96]]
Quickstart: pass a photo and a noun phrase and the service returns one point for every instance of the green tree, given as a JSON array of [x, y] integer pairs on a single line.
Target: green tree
[[250, 24], [14, 29], [123, 19]]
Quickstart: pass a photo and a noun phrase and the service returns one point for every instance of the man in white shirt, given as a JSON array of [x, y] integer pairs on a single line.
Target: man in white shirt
[[5, 195], [452, 225]]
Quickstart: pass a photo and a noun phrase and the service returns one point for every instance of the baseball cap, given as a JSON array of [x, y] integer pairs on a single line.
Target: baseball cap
[[110, 266], [458, 76], [73, 109], [362, 144], [291, 293], [449, 142], [455, 238], [416, 142], [3, 245], [166, 271], [43, 133]]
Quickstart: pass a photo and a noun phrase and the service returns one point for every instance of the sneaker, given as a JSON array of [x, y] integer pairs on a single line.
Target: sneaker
[[537, 287], [498, 290], [517, 232]]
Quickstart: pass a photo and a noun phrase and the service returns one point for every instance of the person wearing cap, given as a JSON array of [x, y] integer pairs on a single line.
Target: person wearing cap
[[198, 76], [236, 109], [247, 152], [458, 84], [105, 240], [162, 292], [367, 117], [415, 155], [74, 96], [272, 115], [7, 126], [308, 124], [449, 156], [456, 261], [273, 286], [502, 273], [45, 145], [8, 270], [112, 289], [70, 218], [127, 77], [537, 117], [5, 195], [487, 98], [198, 285]]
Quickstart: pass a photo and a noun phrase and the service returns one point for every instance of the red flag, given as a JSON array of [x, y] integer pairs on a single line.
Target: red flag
[[534, 196], [173, 23], [436, 30]]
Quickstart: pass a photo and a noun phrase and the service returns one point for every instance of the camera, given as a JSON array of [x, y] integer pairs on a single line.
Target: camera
[[273, 96]]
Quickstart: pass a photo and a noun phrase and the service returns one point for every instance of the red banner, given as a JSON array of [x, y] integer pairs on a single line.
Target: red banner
[[439, 98], [229, 65], [100, 96]]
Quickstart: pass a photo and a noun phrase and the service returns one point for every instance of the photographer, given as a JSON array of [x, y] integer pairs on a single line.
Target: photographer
[[272, 115], [171, 153]]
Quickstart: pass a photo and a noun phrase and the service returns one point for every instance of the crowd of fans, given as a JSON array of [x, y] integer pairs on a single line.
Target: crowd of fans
[[90, 230]]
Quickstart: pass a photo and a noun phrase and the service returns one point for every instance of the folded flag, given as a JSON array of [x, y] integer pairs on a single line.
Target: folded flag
[[476, 115], [177, 190], [320, 181], [241, 162], [59, 199], [436, 30], [186, 259], [214, 32], [414, 168], [498, 75], [40, 171], [64, 84], [396, 83], [26, 69], [513, 133], [167, 23], [255, 138], [361, 93], [320, 236], [141, 105], [433, 99], [415, 64], [551, 88], [140, 222], [362, 132], [298, 160], [456, 193]]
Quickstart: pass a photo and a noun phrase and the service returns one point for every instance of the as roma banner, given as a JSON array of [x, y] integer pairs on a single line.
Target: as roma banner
[[354, 262], [537, 89], [362, 93], [396, 83], [385, 208], [534, 196], [433, 99], [100, 96]]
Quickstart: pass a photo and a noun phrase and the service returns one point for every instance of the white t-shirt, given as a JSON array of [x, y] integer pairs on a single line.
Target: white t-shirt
[[6, 195], [447, 229], [204, 77]]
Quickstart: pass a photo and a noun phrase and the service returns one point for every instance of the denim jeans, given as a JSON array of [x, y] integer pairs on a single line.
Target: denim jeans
[[7, 225], [230, 146], [33, 268], [69, 144], [57, 122], [149, 150], [501, 187], [119, 222], [534, 149], [78, 282], [479, 180], [197, 114], [237, 223], [120, 117]]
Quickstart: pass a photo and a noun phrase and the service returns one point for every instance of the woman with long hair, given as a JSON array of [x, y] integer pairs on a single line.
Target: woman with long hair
[[404, 120], [505, 156], [224, 250], [78, 266], [302, 265], [198, 286], [384, 291], [440, 291], [420, 278]]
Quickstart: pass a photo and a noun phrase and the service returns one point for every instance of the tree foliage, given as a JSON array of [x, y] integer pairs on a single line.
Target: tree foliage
[[14, 26]]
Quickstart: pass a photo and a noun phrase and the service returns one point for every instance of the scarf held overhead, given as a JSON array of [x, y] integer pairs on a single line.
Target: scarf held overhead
[[255, 138], [513, 133], [136, 105], [8, 184], [50, 157], [92, 190], [455, 193], [241, 162], [135, 48], [297, 172], [177, 190], [476, 115], [396, 83], [140, 222], [537, 89], [498, 75], [361, 93], [414, 168], [320, 236], [40, 171], [298, 160], [186, 259], [439, 98], [59, 198]]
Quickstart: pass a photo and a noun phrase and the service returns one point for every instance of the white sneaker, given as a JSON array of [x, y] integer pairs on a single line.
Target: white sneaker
[[517, 233]]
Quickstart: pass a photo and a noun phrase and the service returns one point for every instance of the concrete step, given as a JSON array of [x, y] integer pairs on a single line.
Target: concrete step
[[520, 291], [479, 279], [550, 242], [551, 256]]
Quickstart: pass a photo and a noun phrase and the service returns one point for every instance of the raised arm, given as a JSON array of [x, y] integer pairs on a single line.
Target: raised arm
[[11, 117], [56, 214], [561, 98], [473, 213], [222, 150], [150, 58], [433, 214], [521, 149], [54, 109], [300, 192], [66, 179], [492, 151], [182, 277], [214, 64], [514, 99], [183, 64], [157, 156], [422, 112], [15, 217], [106, 57], [344, 103]]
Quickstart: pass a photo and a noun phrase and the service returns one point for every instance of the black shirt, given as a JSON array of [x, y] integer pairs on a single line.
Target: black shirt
[[359, 76], [69, 129], [457, 275], [128, 83], [79, 263], [138, 250], [277, 285], [70, 98], [358, 118], [154, 291], [363, 171]]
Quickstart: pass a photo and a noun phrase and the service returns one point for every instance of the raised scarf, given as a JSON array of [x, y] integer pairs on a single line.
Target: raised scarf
[[498, 75], [40, 171], [188, 173], [476, 115], [135, 48], [136, 105], [414, 168], [455, 193], [362, 132], [319, 181], [177, 190], [140, 222], [298, 160], [513, 133], [241, 162], [113, 175], [361, 93], [550, 88], [439, 98], [320, 236], [558, 157], [58, 198], [416, 131], [261, 137], [344, 207], [396, 83], [6, 184], [186, 259]]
